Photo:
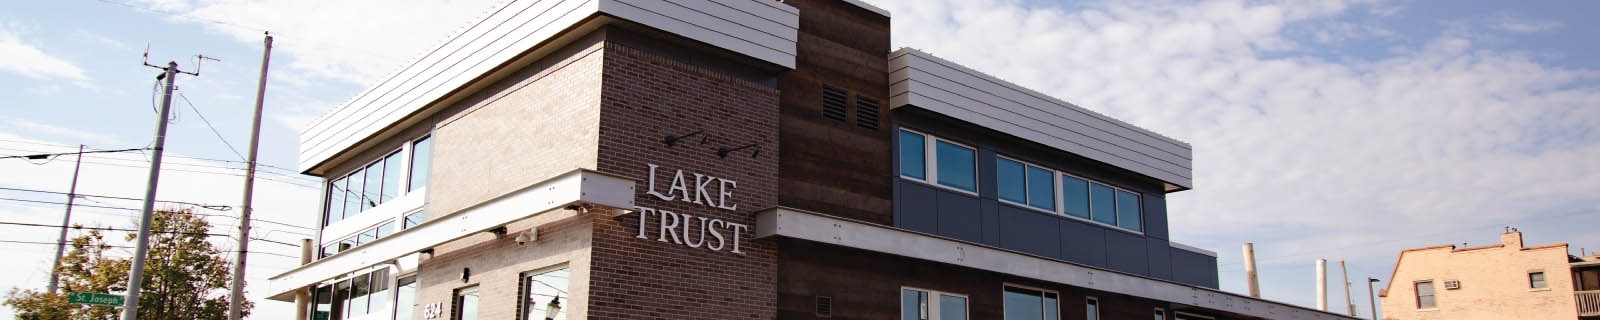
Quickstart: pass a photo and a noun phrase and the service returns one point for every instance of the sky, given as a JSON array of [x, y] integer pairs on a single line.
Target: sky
[[1342, 130]]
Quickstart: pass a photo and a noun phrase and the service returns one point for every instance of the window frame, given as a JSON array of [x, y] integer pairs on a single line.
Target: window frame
[[1091, 314], [930, 162], [1433, 294], [1042, 292], [1542, 284], [1056, 200], [1160, 314], [934, 312], [523, 284], [457, 311], [1060, 198]]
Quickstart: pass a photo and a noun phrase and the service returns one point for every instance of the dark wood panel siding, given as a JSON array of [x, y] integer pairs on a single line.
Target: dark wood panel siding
[[836, 166], [866, 285]]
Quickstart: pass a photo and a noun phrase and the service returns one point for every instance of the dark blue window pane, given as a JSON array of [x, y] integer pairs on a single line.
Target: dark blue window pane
[[957, 166], [1010, 181], [1103, 204], [912, 304], [952, 308], [1075, 196], [913, 154], [1094, 310], [1128, 215], [1023, 304], [1041, 188], [1052, 311]]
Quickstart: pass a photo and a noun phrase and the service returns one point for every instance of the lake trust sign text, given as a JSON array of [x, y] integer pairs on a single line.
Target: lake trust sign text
[[686, 229]]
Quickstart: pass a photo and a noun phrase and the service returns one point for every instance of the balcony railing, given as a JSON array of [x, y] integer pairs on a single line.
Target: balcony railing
[[1588, 303]]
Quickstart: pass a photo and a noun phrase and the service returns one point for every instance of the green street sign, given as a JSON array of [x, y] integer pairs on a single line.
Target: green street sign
[[99, 299]]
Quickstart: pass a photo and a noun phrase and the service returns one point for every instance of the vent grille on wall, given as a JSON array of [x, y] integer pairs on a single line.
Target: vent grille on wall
[[834, 103], [867, 113], [824, 307], [1452, 284]]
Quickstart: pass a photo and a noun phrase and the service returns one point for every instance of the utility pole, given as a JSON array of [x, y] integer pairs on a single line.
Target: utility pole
[[130, 306], [1371, 299], [61, 244], [236, 298]]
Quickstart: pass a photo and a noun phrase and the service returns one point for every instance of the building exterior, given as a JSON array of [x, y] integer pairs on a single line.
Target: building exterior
[[736, 159], [1502, 281]]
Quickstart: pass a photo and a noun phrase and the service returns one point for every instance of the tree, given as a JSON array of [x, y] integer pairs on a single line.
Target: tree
[[186, 277]]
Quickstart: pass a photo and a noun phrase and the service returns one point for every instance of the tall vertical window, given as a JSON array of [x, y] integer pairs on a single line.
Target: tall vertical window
[[1092, 305], [1161, 314], [336, 195], [1027, 184], [913, 155], [392, 169], [421, 160], [322, 301], [1075, 196], [360, 288], [1536, 280], [544, 293], [1425, 295], [1128, 214], [1103, 203], [917, 304], [466, 304], [958, 166], [1030, 304], [406, 298]]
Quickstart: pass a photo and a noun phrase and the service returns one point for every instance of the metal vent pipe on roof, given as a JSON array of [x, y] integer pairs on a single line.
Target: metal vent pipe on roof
[[1322, 284], [1250, 270]]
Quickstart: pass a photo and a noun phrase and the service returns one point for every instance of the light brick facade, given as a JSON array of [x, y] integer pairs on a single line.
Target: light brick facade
[[1494, 282]]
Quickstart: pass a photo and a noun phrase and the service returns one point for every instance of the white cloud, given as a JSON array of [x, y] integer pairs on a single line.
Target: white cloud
[[26, 59], [1309, 154], [1512, 24]]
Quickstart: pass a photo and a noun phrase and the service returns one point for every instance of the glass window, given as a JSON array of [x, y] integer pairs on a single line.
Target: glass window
[[391, 177], [323, 300], [1102, 204], [1161, 315], [1128, 214], [957, 166], [1093, 307], [413, 220], [352, 192], [466, 304], [371, 194], [367, 236], [952, 307], [335, 201], [1041, 188], [1010, 180], [380, 295], [913, 305], [1425, 295], [386, 229], [347, 243], [913, 154], [406, 298], [330, 249], [360, 290], [1029, 304], [1075, 196], [545, 292], [1536, 280], [341, 298], [421, 159]]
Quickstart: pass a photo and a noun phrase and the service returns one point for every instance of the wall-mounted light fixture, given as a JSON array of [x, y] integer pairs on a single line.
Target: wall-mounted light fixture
[[499, 232], [673, 140], [724, 151], [466, 275]]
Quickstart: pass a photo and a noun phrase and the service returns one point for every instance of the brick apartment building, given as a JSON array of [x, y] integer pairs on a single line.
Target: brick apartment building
[[736, 159], [1501, 281]]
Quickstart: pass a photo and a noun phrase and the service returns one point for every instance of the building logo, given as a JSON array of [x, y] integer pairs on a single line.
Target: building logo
[[686, 229]]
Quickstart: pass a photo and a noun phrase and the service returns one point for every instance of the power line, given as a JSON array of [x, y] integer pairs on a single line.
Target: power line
[[137, 209], [174, 156], [209, 125], [217, 207], [128, 247], [109, 229], [52, 155]]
